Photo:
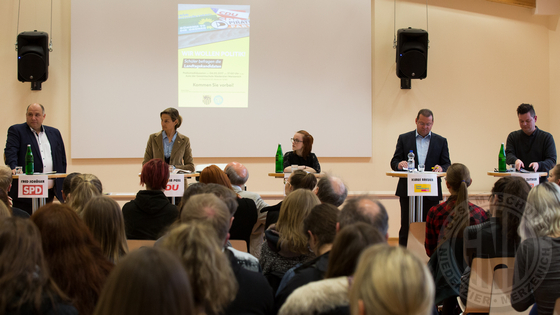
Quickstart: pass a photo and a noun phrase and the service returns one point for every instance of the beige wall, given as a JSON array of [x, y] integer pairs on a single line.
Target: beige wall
[[485, 58]]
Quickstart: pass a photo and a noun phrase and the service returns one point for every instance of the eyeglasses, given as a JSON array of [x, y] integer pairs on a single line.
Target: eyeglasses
[[286, 181], [296, 141]]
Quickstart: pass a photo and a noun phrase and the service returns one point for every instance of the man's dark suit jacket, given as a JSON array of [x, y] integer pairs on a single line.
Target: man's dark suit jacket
[[438, 154], [19, 136]]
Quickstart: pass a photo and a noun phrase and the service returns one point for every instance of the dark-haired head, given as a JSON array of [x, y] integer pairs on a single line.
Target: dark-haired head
[[174, 115], [155, 174], [145, 282], [426, 113], [302, 179], [24, 274], [507, 203], [67, 184], [321, 223], [74, 257], [348, 245], [526, 108]]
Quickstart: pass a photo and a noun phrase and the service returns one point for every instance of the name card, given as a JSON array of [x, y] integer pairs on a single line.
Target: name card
[[33, 186], [422, 184], [175, 186], [531, 178]]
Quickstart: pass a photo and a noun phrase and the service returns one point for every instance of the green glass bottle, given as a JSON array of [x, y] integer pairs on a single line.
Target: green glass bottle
[[502, 160], [29, 162], [279, 159]]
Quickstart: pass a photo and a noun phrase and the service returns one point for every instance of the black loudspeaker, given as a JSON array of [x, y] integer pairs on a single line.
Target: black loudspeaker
[[33, 57], [412, 53]]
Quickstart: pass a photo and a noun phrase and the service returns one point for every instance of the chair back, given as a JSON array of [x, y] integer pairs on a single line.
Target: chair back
[[240, 245], [502, 285], [481, 282], [135, 244], [416, 237]]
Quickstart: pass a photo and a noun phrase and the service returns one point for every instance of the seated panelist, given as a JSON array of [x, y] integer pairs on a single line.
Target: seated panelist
[[301, 155], [168, 144]]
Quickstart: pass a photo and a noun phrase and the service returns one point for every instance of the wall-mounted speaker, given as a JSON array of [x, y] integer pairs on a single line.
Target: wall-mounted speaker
[[412, 53], [33, 57]]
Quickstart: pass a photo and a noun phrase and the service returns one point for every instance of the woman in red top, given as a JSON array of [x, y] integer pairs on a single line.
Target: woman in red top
[[448, 219]]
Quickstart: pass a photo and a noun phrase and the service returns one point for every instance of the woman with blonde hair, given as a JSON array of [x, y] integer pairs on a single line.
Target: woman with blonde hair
[[286, 243], [209, 271], [82, 188], [298, 179], [389, 280], [146, 282], [537, 263], [103, 217]]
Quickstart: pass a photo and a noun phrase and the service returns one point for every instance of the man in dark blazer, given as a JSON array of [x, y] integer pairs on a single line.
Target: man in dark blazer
[[434, 152], [33, 132]]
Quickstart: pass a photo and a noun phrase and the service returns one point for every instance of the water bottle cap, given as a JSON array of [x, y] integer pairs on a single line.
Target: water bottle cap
[[410, 150]]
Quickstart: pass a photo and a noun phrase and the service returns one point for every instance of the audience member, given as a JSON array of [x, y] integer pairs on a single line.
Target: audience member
[[104, 218], [497, 237], [4, 211], [150, 213], [67, 185], [449, 219], [27, 287], [12, 211], [331, 190], [254, 295], [212, 279], [246, 214], [445, 225], [5, 185], [238, 176], [320, 227], [330, 296], [195, 214], [285, 242], [537, 263], [74, 258], [554, 175], [146, 282], [298, 179], [365, 209], [82, 188], [391, 280]]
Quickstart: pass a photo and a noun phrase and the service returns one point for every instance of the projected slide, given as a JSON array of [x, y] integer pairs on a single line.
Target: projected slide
[[213, 55]]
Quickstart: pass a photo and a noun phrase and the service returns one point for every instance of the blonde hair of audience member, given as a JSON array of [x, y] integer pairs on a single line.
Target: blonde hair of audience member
[[208, 268], [295, 208], [5, 177], [104, 218], [210, 209], [389, 280], [24, 275], [145, 282], [84, 187], [542, 213], [554, 175], [458, 179], [5, 211]]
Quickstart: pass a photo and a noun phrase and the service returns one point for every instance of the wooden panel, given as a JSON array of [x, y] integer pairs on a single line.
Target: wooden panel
[[522, 3]]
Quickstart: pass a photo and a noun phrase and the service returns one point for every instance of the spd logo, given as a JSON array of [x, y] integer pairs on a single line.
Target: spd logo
[[32, 190]]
